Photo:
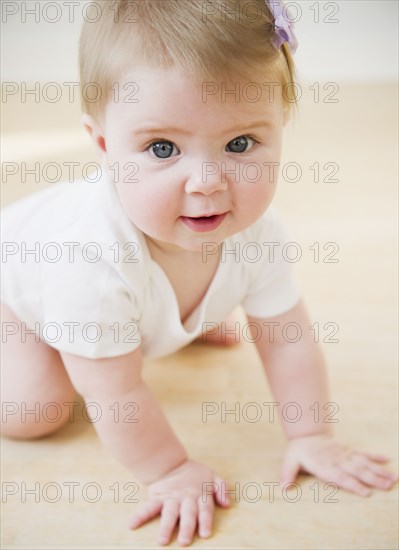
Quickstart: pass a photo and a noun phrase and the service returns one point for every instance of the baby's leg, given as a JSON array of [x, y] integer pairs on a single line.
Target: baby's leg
[[32, 377], [226, 333]]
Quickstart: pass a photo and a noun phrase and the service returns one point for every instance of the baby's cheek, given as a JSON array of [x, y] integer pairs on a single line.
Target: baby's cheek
[[256, 195], [154, 207]]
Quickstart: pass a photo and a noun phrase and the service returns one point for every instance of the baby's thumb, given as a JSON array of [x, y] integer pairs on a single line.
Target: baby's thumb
[[289, 470], [221, 492]]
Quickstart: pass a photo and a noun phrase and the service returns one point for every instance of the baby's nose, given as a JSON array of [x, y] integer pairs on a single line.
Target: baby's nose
[[208, 178]]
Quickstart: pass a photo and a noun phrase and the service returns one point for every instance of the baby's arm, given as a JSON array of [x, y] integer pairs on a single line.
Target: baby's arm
[[141, 439], [134, 428], [297, 374]]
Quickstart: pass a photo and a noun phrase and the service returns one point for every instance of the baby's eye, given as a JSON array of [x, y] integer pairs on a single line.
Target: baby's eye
[[239, 144], [162, 149]]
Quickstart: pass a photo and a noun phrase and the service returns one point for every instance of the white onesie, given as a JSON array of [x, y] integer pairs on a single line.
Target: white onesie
[[78, 272]]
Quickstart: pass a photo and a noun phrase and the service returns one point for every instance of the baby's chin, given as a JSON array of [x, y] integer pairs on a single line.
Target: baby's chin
[[183, 238], [186, 244], [200, 245], [190, 241]]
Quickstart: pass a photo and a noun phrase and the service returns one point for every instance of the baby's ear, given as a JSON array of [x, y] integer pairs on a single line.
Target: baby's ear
[[95, 132]]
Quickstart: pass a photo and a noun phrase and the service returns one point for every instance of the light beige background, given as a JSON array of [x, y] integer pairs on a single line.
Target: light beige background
[[359, 294]]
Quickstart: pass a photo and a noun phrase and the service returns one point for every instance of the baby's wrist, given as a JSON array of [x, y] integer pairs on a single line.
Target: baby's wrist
[[167, 471], [327, 431], [164, 468]]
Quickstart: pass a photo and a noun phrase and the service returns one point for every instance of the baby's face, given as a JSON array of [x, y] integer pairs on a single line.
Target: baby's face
[[192, 155]]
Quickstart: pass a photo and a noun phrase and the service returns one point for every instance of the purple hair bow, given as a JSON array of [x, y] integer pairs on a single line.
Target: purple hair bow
[[283, 24]]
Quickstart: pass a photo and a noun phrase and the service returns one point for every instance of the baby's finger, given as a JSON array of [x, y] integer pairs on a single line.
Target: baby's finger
[[367, 477], [221, 495], [382, 472], [169, 517], [359, 467], [363, 460], [375, 457], [205, 515], [343, 479], [149, 511], [188, 521]]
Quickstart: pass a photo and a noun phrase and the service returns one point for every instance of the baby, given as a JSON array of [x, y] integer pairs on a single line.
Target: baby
[[186, 102]]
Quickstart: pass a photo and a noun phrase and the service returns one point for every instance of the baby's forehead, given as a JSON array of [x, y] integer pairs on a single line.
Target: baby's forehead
[[231, 81], [165, 90], [191, 121]]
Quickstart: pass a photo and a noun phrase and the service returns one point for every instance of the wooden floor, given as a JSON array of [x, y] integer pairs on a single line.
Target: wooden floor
[[358, 293]]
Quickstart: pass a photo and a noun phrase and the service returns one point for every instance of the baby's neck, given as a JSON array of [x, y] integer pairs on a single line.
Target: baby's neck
[[180, 265], [172, 253]]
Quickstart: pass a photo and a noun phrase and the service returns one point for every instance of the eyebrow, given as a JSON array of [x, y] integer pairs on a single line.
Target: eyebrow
[[175, 130]]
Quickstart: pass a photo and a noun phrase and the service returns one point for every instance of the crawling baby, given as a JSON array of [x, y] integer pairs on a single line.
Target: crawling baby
[[185, 104]]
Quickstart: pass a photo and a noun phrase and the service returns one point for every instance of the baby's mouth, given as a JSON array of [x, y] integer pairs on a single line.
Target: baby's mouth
[[202, 224], [203, 217]]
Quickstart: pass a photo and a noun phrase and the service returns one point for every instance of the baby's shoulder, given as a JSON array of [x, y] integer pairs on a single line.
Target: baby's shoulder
[[43, 213]]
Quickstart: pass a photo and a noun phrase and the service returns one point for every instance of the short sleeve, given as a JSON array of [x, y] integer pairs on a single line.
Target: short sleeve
[[87, 309], [274, 287]]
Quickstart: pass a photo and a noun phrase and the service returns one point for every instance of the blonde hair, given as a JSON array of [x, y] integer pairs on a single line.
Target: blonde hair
[[212, 40]]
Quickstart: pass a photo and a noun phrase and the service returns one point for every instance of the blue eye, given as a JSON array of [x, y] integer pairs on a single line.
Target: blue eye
[[162, 149], [239, 144]]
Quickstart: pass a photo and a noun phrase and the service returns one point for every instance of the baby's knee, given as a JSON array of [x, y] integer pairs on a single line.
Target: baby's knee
[[19, 422]]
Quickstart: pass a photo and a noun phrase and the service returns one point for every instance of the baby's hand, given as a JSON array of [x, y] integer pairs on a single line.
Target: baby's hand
[[323, 456], [179, 496]]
